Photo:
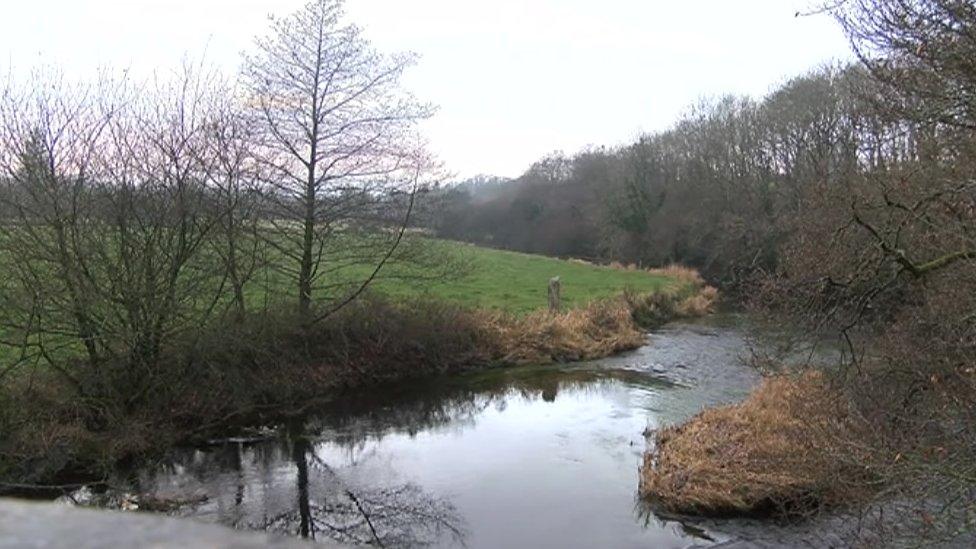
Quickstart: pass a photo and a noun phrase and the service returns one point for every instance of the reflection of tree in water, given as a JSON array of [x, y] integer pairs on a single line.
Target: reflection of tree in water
[[387, 516], [286, 485], [402, 515]]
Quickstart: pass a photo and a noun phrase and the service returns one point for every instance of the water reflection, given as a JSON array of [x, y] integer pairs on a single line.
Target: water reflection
[[524, 457], [455, 403], [288, 486], [387, 516]]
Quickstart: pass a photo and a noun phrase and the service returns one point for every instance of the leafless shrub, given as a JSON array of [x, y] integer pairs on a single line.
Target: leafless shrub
[[108, 214]]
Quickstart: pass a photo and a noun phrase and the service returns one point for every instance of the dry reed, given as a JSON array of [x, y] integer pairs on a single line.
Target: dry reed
[[600, 329], [692, 296], [776, 452], [683, 274]]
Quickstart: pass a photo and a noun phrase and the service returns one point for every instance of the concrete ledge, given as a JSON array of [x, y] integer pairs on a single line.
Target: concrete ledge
[[47, 525]]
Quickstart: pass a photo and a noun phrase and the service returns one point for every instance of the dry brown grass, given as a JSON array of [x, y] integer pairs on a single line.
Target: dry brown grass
[[579, 261], [600, 329], [700, 303], [687, 297], [622, 266], [683, 274], [694, 296], [699, 298], [776, 452]]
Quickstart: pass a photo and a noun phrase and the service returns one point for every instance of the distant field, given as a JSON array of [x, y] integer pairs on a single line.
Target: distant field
[[517, 282]]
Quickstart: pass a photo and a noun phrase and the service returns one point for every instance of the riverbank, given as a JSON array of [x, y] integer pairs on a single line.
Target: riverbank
[[491, 454], [267, 366], [779, 452], [838, 450], [856, 455]]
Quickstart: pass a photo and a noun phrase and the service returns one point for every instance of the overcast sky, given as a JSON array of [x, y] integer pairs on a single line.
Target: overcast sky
[[514, 79]]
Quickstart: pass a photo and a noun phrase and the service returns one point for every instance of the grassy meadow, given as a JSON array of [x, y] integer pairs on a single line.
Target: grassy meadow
[[515, 282], [471, 276], [428, 269]]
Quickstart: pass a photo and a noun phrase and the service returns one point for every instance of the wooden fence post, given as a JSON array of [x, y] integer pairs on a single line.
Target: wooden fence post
[[554, 294]]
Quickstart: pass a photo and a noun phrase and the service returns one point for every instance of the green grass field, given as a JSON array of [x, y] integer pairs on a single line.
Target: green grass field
[[471, 276], [517, 282]]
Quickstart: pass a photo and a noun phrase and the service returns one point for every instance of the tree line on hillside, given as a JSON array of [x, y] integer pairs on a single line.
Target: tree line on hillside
[[716, 191]]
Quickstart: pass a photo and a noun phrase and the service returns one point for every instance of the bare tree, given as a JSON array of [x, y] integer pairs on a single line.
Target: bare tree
[[108, 217], [234, 181], [886, 257], [336, 136], [923, 53], [51, 134]]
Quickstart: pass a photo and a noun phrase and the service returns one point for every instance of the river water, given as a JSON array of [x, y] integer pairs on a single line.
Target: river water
[[515, 457]]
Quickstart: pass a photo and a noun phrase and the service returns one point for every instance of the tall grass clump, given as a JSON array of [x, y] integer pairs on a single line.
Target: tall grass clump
[[597, 330], [784, 450], [688, 296]]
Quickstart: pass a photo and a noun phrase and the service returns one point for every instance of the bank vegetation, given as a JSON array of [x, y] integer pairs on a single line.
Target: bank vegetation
[[196, 253], [878, 254]]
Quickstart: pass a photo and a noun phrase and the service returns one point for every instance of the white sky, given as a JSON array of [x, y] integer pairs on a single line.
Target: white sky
[[514, 79]]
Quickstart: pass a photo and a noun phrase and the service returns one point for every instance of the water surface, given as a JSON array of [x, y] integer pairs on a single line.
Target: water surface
[[518, 457]]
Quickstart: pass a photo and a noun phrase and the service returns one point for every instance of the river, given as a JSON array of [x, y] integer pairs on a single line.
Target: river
[[543, 456]]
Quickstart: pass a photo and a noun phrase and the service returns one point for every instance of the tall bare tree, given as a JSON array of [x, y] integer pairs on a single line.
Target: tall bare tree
[[336, 136]]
